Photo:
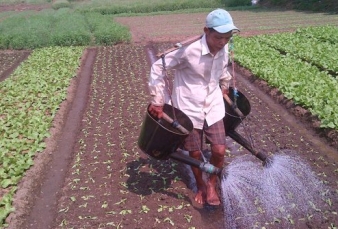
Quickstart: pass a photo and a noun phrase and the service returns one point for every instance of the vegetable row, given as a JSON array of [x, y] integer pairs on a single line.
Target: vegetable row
[[29, 100], [306, 46], [297, 78]]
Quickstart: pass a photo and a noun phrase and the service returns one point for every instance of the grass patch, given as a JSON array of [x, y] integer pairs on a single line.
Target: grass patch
[[63, 27], [58, 4]]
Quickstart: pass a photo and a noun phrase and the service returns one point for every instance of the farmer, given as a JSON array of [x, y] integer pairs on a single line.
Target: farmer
[[201, 77]]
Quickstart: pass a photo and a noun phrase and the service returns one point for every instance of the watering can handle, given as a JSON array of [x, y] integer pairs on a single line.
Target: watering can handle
[[229, 101], [175, 123]]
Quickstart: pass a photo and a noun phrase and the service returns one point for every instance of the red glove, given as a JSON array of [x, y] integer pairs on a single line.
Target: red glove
[[156, 111]]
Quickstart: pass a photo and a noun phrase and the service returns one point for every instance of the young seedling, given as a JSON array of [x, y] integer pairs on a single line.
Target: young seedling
[[188, 218], [125, 212], [104, 205], [169, 221], [144, 209], [123, 201]]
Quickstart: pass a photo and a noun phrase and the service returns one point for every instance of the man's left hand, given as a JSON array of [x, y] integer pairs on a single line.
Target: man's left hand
[[225, 91]]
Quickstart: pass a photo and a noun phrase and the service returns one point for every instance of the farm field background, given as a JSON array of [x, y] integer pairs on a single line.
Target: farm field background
[[169, 193]]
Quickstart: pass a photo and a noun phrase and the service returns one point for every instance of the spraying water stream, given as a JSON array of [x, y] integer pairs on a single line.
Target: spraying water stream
[[290, 187], [240, 187], [253, 194]]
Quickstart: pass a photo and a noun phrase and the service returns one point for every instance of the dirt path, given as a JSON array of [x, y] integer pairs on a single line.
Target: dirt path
[[178, 27], [23, 7], [98, 178]]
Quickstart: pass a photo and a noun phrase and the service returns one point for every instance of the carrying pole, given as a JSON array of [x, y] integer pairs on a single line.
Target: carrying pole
[[179, 45]]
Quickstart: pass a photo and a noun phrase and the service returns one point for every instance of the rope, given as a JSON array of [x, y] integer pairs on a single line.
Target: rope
[[235, 91], [174, 113], [232, 59], [162, 55], [166, 78]]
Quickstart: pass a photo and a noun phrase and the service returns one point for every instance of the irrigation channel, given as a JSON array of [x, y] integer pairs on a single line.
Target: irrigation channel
[[281, 186]]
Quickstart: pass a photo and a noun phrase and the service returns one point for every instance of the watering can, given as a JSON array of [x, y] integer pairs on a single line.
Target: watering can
[[160, 138], [234, 115]]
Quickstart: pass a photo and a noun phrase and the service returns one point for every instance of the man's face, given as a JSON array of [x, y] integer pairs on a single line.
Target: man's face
[[215, 40]]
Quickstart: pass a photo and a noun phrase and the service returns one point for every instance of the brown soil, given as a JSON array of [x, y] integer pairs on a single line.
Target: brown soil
[[23, 7], [178, 27], [9, 60], [97, 176]]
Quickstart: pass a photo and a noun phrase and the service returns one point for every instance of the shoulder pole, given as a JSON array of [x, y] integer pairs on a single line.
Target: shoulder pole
[[179, 45]]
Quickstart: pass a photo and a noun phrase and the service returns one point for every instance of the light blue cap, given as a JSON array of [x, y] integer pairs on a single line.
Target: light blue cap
[[221, 21]]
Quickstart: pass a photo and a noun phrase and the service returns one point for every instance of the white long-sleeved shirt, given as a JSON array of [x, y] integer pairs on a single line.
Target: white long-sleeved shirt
[[196, 87]]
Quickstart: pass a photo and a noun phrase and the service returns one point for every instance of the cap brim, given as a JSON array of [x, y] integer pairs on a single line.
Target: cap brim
[[225, 28]]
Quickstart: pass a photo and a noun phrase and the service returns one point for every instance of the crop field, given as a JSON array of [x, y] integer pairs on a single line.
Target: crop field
[[30, 30], [105, 180], [302, 65]]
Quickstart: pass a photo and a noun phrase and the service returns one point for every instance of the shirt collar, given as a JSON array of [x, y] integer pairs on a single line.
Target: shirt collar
[[206, 50]]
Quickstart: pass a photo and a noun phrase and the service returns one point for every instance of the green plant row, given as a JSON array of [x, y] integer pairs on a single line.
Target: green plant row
[[320, 53], [300, 81], [30, 30], [307, 5], [58, 4], [29, 101], [105, 30], [322, 33]]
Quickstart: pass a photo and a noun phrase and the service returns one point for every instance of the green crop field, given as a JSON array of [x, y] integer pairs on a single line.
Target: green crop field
[[299, 63]]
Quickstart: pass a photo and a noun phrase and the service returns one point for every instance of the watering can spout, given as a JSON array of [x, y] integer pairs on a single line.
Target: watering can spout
[[234, 115], [267, 161], [204, 166]]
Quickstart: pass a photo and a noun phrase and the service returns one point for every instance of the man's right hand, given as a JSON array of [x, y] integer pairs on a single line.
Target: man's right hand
[[156, 111]]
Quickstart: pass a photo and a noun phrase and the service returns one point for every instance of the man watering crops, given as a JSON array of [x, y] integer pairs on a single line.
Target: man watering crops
[[201, 77]]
